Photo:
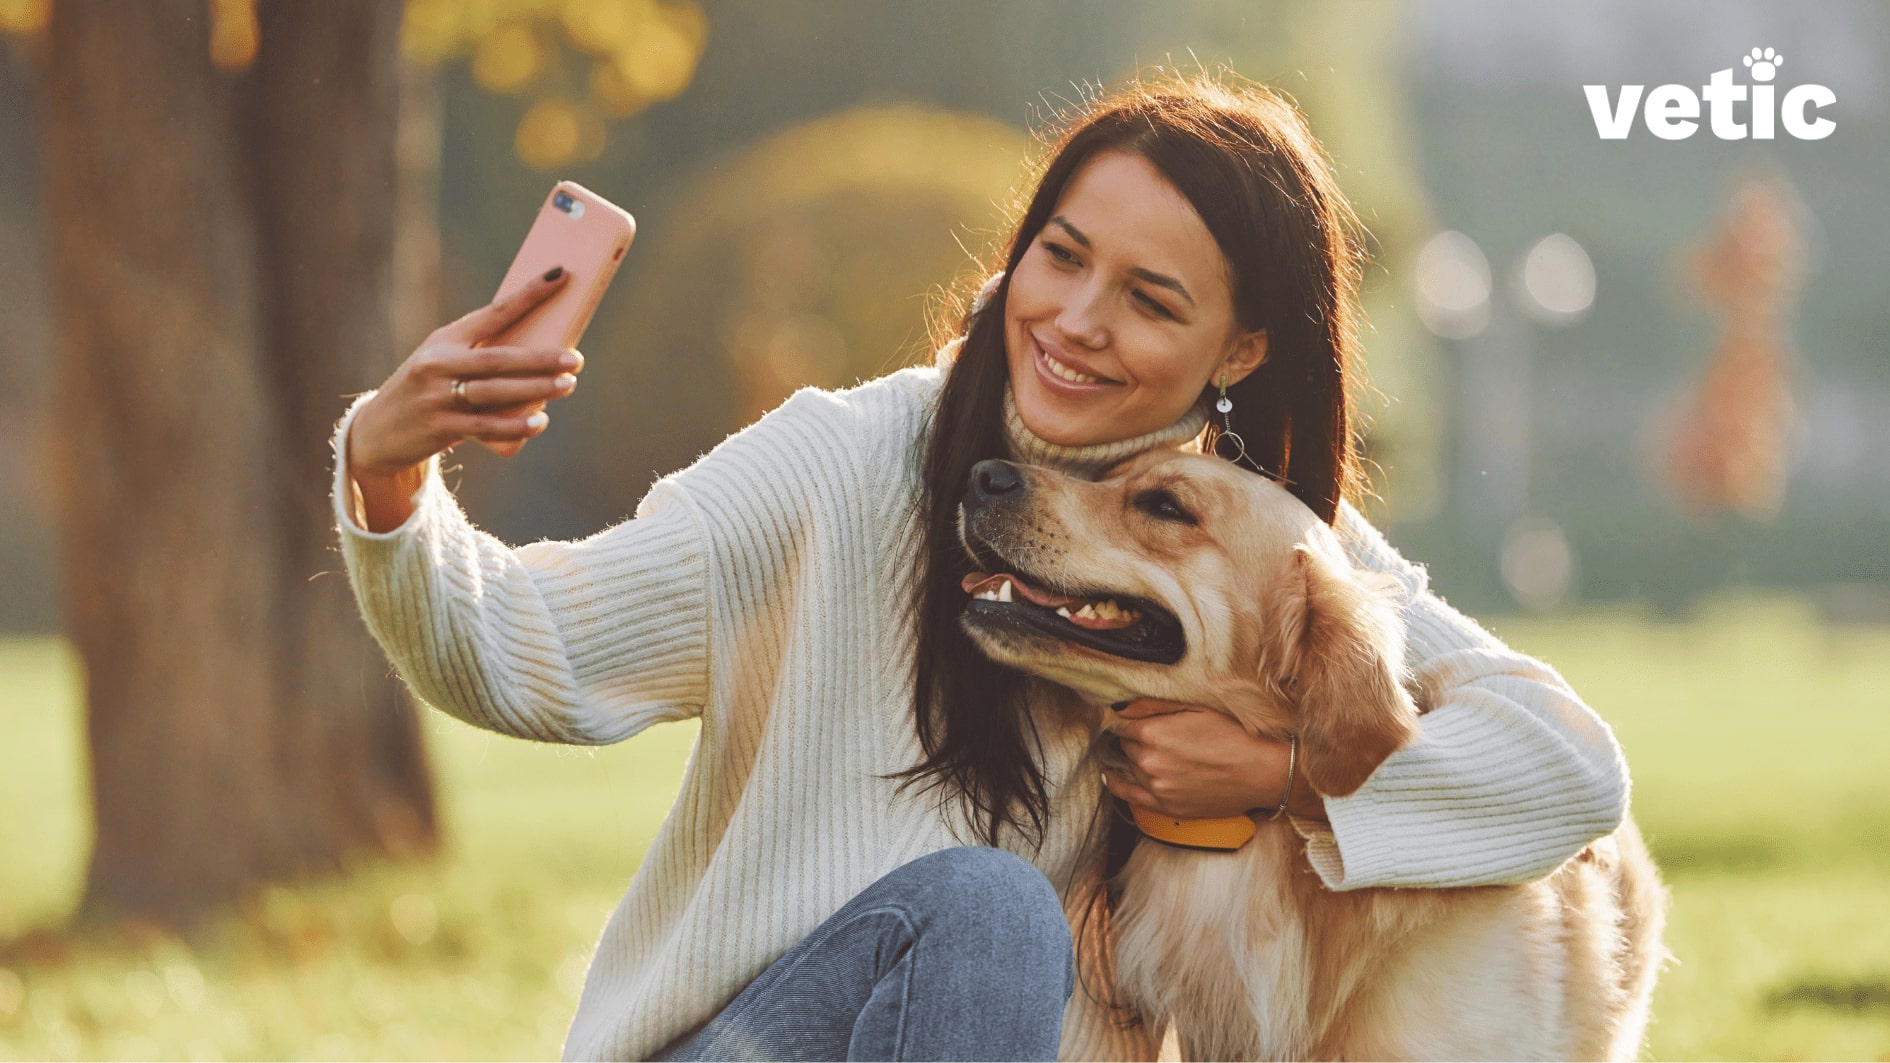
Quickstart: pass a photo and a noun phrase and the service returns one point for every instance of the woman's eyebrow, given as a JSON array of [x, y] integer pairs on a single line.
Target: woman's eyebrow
[[1160, 280], [1075, 233]]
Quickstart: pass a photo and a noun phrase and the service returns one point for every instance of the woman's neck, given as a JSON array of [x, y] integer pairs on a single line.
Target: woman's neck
[[1089, 461]]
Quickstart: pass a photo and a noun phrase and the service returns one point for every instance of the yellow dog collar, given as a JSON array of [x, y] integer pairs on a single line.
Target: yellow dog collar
[[1226, 834]]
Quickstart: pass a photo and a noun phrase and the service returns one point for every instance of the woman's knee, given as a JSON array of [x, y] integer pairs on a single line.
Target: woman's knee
[[982, 892], [980, 877]]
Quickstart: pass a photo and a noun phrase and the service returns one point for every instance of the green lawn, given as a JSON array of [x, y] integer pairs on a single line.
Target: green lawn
[[1760, 747], [1760, 743]]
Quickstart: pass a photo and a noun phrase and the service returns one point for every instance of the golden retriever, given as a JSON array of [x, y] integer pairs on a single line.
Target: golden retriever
[[1183, 578]]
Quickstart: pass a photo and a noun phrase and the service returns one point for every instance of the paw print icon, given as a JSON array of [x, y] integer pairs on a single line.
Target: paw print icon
[[1764, 63]]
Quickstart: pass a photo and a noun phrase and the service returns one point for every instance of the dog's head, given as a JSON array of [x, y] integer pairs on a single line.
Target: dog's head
[[1181, 577]]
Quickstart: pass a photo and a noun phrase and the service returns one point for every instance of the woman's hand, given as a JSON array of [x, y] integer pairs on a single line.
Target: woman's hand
[[1191, 762], [417, 412]]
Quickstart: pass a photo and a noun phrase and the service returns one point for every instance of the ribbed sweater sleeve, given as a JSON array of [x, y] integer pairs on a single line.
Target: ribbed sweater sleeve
[[582, 642], [1511, 773]]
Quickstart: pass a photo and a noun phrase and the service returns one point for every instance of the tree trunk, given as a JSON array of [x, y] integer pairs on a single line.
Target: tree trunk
[[222, 249]]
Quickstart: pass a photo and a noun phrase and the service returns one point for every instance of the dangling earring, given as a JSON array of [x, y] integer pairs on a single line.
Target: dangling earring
[[1226, 407]]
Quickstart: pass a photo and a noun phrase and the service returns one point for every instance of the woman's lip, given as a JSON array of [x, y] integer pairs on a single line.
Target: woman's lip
[[1039, 359]]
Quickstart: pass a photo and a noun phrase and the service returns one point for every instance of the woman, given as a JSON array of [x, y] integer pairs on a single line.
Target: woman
[[815, 892]]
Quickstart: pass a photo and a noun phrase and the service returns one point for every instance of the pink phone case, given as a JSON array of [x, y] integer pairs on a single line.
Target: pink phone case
[[587, 235]]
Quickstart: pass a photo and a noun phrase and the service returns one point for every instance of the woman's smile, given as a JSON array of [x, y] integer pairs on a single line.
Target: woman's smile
[[1065, 373]]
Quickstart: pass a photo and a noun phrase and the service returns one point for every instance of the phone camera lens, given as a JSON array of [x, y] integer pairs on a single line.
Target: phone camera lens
[[563, 201]]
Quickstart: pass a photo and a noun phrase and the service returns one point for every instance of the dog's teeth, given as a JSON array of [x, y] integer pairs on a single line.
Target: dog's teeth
[[1063, 611], [1108, 610], [1087, 612], [1004, 592]]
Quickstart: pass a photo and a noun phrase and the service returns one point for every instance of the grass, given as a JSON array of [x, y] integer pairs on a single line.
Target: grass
[[475, 955], [1757, 738]]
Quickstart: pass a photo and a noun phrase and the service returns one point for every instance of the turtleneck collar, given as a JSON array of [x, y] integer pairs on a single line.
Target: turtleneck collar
[[1089, 461]]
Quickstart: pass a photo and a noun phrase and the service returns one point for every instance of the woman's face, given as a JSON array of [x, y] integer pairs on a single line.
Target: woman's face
[[1120, 311]]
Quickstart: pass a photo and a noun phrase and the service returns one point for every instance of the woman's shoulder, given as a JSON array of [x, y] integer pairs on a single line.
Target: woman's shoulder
[[822, 438], [866, 408], [900, 396], [877, 419]]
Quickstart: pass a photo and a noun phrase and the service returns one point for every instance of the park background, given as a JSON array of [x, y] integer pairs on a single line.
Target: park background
[[1631, 398]]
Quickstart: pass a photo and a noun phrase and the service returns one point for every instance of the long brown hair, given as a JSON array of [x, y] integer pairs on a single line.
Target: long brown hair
[[1245, 159]]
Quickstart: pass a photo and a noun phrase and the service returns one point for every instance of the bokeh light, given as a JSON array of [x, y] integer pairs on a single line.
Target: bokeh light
[[604, 27], [1556, 281], [415, 918], [1453, 286], [185, 984], [660, 61], [612, 87], [24, 16], [1538, 563], [430, 30], [509, 59], [234, 35], [550, 133], [627, 54]]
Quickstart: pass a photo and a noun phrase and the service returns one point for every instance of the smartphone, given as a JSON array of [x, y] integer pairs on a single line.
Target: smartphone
[[586, 234]]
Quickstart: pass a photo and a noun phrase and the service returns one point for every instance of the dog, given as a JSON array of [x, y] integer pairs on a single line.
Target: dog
[[1181, 577]]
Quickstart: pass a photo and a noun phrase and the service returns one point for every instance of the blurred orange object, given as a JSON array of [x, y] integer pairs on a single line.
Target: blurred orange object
[[1728, 436]]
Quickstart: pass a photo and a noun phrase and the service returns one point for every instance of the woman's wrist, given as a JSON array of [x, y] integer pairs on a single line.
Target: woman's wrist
[[1306, 804], [1287, 791], [380, 482], [382, 500]]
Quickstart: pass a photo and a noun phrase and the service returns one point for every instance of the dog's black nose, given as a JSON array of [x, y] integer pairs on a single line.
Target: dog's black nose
[[991, 478]]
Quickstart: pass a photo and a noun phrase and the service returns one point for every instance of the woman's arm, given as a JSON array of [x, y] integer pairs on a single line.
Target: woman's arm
[[586, 642], [590, 642], [1510, 776]]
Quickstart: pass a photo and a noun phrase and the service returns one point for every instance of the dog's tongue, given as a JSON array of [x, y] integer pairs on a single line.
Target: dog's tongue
[[978, 581]]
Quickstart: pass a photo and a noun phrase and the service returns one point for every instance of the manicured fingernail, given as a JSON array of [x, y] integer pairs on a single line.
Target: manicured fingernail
[[564, 382], [538, 420], [1119, 706], [554, 273], [570, 360]]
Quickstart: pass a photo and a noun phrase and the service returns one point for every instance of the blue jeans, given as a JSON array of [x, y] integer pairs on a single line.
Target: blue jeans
[[963, 954]]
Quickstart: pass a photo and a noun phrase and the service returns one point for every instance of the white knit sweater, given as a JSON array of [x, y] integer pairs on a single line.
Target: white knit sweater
[[762, 590]]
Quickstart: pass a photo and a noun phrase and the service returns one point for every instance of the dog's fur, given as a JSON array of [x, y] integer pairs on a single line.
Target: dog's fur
[[1247, 954]]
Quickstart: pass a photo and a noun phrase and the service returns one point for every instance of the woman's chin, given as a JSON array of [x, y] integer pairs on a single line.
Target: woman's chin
[[1064, 421], [1059, 428], [1049, 426]]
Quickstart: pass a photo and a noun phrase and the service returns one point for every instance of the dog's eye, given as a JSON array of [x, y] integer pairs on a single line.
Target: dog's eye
[[1163, 505]]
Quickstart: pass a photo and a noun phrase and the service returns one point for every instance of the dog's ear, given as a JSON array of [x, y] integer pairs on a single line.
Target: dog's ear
[[1353, 708]]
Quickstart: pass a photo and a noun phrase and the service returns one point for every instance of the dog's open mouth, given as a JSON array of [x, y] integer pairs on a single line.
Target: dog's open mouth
[[1116, 624]]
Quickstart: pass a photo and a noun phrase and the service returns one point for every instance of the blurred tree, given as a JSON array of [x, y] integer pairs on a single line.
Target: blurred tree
[[226, 214], [583, 62], [221, 223]]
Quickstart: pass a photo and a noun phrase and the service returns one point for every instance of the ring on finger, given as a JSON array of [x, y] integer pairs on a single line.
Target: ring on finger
[[459, 396]]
